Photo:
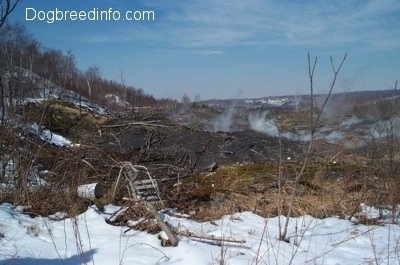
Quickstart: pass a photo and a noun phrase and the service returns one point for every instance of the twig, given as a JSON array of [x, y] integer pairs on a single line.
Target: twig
[[136, 123], [53, 242]]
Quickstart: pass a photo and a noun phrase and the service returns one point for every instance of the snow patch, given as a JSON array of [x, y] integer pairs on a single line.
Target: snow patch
[[50, 137]]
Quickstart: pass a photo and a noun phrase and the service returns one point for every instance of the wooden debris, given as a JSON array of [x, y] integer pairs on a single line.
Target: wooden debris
[[145, 192]]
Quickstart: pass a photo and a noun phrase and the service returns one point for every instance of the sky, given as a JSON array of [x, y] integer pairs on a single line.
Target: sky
[[228, 49]]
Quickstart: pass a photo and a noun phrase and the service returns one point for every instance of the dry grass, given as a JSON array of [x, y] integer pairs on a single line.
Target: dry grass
[[325, 191]]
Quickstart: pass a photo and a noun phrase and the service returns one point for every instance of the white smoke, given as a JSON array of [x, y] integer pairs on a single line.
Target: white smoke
[[260, 123], [223, 123], [332, 137], [351, 121], [385, 128], [300, 135]]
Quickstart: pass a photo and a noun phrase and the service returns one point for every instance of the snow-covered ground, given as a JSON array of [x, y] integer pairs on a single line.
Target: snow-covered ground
[[88, 239]]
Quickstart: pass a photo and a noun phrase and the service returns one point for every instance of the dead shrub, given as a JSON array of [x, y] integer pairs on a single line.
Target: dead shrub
[[137, 217], [46, 201]]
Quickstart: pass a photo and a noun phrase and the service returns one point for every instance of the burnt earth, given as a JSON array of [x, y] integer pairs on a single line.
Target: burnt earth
[[182, 149]]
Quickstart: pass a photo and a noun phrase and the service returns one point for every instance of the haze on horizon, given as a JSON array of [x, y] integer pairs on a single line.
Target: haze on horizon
[[230, 49]]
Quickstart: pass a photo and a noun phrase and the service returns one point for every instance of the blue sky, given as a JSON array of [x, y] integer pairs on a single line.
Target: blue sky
[[231, 49]]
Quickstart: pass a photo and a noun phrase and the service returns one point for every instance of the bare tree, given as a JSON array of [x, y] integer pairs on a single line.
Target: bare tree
[[7, 6], [314, 120]]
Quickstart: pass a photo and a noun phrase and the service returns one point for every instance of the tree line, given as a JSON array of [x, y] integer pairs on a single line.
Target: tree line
[[19, 50]]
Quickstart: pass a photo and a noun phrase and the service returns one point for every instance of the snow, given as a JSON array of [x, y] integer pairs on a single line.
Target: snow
[[277, 102], [269, 101], [88, 239], [50, 137]]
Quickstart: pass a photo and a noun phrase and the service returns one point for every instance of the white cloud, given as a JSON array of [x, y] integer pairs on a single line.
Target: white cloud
[[210, 23], [209, 52], [216, 25]]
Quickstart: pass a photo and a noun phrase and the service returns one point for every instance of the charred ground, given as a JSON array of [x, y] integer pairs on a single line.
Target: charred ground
[[213, 158]]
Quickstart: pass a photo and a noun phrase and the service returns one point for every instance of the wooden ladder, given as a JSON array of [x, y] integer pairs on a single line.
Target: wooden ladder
[[146, 192]]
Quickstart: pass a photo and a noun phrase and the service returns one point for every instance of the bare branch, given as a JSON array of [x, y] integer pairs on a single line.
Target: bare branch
[[137, 123], [335, 75], [7, 6], [311, 69]]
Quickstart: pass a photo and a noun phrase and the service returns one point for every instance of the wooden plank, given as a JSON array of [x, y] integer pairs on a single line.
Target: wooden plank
[[145, 181], [145, 187], [150, 198], [147, 193]]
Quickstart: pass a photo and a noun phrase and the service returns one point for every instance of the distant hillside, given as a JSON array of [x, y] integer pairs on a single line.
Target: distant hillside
[[26, 66]]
